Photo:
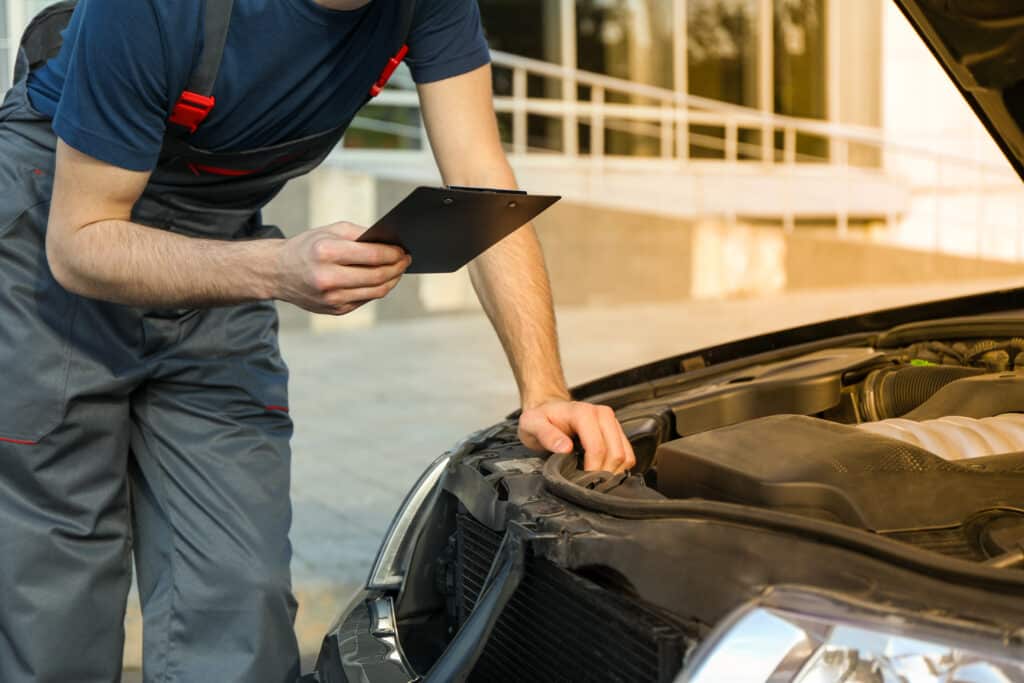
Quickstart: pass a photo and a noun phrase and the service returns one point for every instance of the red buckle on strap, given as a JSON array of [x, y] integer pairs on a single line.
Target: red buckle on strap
[[385, 75], [191, 110]]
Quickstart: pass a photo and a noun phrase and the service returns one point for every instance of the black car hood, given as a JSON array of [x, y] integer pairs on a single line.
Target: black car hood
[[981, 45]]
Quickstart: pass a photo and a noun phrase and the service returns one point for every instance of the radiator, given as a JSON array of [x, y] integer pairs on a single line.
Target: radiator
[[559, 626]]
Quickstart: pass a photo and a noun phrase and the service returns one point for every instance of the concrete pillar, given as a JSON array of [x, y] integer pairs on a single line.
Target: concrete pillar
[[336, 195]]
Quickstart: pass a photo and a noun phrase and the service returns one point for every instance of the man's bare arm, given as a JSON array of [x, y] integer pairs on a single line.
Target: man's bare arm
[[94, 249], [511, 279]]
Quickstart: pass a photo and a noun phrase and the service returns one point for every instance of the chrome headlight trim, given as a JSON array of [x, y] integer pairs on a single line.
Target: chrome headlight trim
[[802, 635], [387, 573]]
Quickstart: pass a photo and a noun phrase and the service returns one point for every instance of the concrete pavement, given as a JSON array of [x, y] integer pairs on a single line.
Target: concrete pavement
[[372, 407]]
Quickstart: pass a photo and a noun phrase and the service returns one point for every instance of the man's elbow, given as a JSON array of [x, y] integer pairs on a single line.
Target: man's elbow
[[60, 260]]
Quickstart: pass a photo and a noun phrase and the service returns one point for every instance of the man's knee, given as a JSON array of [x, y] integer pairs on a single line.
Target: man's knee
[[247, 580]]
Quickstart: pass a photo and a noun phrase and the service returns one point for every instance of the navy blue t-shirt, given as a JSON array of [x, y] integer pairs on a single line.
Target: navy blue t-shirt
[[291, 68]]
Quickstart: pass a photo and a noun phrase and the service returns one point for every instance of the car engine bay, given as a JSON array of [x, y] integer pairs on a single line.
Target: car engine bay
[[885, 466], [922, 442]]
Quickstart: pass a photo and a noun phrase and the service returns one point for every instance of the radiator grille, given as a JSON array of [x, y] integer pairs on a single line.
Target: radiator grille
[[561, 627]]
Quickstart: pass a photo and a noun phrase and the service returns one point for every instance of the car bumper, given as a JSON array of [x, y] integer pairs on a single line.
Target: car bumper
[[363, 646]]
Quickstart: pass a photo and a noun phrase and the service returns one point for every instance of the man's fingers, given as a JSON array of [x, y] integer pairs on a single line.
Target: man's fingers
[[587, 426], [329, 278], [605, 446], [371, 254], [627, 448], [343, 298], [348, 253], [351, 277], [611, 432], [337, 244], [539, 434]]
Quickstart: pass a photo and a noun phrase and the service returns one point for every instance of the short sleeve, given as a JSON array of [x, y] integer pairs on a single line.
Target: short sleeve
[[115, 98], [446, 40]]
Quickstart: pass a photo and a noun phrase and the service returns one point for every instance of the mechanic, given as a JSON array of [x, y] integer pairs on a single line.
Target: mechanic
[[145, 405]]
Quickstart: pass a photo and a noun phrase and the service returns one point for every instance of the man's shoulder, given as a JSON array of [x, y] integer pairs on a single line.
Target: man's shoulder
[[171, 15]]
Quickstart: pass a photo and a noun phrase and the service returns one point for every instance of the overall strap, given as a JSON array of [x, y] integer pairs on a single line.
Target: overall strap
[[42, 39], [406, 12], [197, 101]]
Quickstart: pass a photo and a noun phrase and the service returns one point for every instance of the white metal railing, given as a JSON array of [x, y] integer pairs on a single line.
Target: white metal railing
[[958, 204]]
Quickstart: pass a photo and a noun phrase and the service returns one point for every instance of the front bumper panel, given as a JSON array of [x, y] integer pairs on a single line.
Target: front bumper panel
[[364, 647]]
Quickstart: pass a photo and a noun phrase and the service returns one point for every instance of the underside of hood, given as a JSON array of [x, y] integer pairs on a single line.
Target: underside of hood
[[981, 45]]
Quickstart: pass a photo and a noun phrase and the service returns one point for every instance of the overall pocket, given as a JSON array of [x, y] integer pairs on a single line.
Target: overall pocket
[[35, 317]]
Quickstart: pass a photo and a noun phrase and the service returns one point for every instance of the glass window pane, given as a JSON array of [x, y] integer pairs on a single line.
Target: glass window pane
[[629, 39], [528, 28], [800, 85], [722, 49], [632, 40], [800, 58]]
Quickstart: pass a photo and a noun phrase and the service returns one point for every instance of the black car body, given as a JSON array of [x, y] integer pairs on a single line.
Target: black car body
[[838, 502]]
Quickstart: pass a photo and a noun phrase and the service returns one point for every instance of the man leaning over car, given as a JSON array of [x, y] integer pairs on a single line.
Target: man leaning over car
[[137, 327]]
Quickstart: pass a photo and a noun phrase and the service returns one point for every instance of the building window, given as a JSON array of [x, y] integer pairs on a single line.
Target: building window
[[722, 48], [526, 28], [722, 64], [799, 43], [799, 68], [632, 40]]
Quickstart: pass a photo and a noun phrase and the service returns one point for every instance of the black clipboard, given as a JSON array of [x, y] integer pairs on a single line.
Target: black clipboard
[[446, 228]]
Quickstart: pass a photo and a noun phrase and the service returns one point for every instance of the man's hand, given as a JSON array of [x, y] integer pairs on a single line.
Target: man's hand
[[325, 270], [551, 426]]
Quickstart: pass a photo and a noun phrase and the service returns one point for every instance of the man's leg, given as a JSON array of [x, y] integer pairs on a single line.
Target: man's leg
[[64, 553], [211, 504], [64, 518]]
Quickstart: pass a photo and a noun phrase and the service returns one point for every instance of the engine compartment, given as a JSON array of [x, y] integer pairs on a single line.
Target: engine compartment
[[922, 442], [885, 464], [877, 456]]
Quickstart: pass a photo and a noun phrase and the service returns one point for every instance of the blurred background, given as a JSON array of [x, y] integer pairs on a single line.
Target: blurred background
[[728, 167]]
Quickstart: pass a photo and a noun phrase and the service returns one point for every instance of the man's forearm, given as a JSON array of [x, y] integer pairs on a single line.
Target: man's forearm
[[136, 265], [512, 282], [513, 287]]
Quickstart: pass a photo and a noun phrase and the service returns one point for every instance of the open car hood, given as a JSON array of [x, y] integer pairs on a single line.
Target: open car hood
[[981, 45]]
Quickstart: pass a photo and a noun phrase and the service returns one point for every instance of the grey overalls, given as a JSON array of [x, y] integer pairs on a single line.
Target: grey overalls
[[187, 409]]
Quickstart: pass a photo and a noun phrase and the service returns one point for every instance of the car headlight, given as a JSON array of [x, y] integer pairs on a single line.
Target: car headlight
[[800, 636], [387, 572]]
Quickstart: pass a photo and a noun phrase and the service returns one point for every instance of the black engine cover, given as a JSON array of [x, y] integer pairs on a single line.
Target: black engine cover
[[810, 466]]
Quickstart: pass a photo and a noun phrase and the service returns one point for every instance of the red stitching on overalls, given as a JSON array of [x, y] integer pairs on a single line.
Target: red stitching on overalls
[[278, 409], [19, 442], [199, 169]]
